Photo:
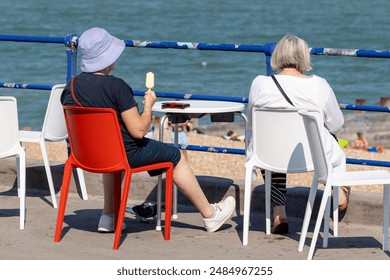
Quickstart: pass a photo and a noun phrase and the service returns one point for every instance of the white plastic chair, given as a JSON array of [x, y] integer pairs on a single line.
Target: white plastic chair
[[324, 175], [10, 146], [54, 130], [279, 144]]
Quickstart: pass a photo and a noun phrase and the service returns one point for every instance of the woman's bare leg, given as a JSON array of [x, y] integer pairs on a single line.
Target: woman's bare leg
[[280, 225], [108, 186], [183, 177], [187, 183], [280, 215], [344, 193]]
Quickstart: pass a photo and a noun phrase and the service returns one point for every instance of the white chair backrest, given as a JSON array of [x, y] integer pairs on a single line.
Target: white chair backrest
[[9, 126], [54, 128], [279, 141], [313, 124]]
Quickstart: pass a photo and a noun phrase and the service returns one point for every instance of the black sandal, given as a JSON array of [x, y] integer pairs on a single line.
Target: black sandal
[[281, 228]]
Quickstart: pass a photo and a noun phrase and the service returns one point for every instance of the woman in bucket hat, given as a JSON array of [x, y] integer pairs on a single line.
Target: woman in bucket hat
[[94, 87]]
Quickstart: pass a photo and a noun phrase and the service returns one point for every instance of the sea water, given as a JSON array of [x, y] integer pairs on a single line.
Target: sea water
[[353, 24]]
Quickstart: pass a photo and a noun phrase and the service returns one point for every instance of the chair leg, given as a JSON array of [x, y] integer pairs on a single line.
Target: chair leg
[[63, 199], [159, 194], [121, 212], [326, 223], [386, 199], [117, 194], [48, 173], [21, 181], [308, 212], [160, 178], [18, 175], [18, 169], [321, 212], [247, 204], [168, 203], [83, 188], [268, 176], [335, 211]]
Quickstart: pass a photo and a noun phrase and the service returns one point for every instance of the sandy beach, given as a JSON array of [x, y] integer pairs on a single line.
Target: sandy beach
[[221, 165]]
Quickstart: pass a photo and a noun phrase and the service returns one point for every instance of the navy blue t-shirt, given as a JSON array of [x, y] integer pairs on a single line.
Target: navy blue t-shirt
[[111, 92], [103, 92]]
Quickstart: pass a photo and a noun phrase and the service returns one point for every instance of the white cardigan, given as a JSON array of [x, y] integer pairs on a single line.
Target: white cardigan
[[310, 92]]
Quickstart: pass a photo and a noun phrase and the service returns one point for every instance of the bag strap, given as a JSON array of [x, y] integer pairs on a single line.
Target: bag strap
[[289, 101], [281, 90], [74, 96], [72, 92]]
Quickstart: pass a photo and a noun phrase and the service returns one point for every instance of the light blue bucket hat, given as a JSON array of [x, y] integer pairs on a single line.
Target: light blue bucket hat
[[98, 49]]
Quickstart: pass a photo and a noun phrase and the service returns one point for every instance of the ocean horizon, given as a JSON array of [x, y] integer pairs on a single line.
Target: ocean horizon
[[355, 24]]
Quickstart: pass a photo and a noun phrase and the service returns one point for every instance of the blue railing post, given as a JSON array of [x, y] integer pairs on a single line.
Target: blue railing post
[[268, 65], [71, 55], [71, 62], [268, 49]]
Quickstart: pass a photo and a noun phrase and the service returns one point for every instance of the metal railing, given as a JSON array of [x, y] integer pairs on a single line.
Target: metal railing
[[70, 41]]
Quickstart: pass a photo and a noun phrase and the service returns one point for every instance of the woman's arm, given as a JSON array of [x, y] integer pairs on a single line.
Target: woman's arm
[[138, 125], [334, 118]]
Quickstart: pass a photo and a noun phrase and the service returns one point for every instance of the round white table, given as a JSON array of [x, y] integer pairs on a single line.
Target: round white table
[[200, 107]]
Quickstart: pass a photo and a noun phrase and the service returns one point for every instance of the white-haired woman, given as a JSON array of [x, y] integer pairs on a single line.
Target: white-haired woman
[[291, 58]]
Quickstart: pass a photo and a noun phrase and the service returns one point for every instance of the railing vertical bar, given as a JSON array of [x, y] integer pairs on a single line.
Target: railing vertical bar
[[71, 55]]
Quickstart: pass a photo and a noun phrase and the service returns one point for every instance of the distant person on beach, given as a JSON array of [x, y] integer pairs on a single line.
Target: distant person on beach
[[291, 57], [361, 143], [94, 87], [231, 135]]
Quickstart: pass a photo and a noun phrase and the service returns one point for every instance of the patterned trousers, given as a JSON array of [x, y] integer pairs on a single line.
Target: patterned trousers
[[278, 188]]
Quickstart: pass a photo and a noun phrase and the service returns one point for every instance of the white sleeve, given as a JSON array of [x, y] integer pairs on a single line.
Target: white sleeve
[[249, 109], [333, 118]]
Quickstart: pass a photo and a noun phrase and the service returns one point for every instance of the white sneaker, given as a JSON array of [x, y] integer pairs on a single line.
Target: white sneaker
[[106, 223], [223, 211]]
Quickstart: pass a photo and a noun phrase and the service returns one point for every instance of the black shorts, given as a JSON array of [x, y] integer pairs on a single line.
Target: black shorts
[[150, 151]]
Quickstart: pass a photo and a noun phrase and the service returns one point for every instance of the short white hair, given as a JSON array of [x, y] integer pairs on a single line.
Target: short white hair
[[291, 52]]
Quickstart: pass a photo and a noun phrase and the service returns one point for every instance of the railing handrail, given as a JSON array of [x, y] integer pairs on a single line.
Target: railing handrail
[[32, 39], [179, 95], [267, 48]]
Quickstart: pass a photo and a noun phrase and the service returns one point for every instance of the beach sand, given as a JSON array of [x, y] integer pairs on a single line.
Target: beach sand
[[221, 165]]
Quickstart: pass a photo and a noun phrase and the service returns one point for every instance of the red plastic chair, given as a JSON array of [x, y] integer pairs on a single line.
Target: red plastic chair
[[97, 146]]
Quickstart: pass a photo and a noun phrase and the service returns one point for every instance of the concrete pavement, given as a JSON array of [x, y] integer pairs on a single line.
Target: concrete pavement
[[360, 230]]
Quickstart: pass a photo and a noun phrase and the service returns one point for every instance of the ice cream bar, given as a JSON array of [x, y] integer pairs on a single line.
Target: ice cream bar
[[149, 80]]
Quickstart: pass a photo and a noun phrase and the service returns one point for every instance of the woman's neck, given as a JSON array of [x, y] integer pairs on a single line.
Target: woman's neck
[[291, 72], [105, 71], [100, 73]]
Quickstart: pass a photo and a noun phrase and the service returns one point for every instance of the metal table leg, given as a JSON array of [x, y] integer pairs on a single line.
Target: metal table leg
[[159, 183]]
